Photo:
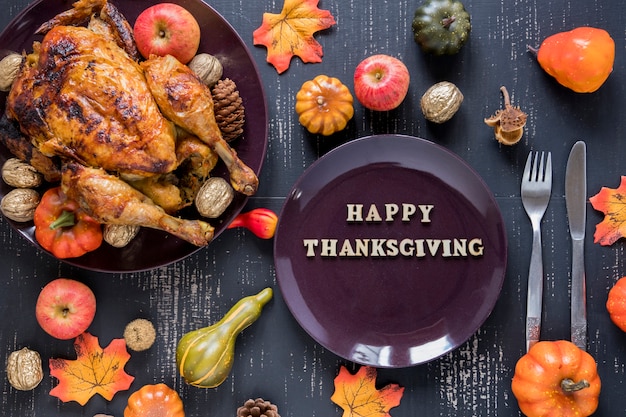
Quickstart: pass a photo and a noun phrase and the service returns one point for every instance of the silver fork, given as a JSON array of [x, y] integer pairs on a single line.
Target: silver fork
[[536, 190]]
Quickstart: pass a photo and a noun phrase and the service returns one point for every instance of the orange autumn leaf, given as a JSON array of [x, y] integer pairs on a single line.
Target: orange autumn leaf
[[95, 370], [358, 396], [611, 202], [291, 33]]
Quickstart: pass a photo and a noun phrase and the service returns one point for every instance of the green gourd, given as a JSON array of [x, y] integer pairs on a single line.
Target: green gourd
[[441, 27], [204, 357]]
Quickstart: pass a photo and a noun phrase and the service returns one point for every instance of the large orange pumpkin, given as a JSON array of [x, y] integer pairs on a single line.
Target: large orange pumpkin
[[556, 379]]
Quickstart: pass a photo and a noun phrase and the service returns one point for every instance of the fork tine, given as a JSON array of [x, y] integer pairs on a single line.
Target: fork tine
[[528, 167], [548, 174]]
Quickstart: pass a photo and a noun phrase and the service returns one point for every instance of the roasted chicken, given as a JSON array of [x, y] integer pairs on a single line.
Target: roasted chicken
[[135, 140], [113, 201]]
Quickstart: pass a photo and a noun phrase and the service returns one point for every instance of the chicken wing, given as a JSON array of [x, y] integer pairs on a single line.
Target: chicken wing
[[187, 101], [110, 200]]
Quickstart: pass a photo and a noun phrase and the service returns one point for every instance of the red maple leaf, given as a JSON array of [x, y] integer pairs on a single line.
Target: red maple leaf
[[95, 371], [611, 202], [291, 33], [358, 396]]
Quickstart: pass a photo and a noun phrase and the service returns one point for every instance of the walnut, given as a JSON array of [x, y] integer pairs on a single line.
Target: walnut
[[214, 197], [119, 235], [19, 204], [441, 101], [207, 67], [20, 174], [9, 68], [139, 335], [24, 370]]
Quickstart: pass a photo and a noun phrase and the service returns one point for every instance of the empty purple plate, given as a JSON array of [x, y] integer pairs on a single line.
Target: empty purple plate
[[152, 248], [390, 251]]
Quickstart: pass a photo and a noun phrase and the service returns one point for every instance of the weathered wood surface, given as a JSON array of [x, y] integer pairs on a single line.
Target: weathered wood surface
[[277, 360]]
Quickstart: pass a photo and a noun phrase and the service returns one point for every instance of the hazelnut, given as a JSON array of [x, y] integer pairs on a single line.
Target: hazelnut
[[9, 68], [119, 235], [441, 101], [19, 204], [207, 67], [24, 370], [214, 197], [20, 174]]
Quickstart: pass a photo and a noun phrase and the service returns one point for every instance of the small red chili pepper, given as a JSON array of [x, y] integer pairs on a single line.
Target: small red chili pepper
[[260, 221], [62, 228]]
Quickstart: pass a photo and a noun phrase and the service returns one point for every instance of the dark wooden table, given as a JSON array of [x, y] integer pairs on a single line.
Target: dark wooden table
[[275, 358]]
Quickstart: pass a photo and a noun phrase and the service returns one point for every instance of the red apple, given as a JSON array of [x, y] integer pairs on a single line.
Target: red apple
[[167, 29], [65, 308], [381, 82]]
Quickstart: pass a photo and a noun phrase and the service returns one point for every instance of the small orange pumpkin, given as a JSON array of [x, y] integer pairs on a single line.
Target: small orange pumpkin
[[556, 379], [324, 105], [157, 400], [616, 303]]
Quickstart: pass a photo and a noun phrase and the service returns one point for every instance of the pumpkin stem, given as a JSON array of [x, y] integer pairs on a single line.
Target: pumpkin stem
[[569, 386], [532, 50], [446, 22]]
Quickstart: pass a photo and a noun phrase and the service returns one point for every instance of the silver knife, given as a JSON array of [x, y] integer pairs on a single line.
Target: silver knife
[[576, 202]]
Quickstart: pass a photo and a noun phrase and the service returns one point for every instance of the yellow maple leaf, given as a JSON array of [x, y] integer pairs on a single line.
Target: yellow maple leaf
[[95, 371], [291, 33], [358, 396]]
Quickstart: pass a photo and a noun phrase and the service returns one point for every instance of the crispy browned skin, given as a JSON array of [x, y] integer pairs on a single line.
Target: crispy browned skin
[[18, 145], [110, 200], [187, 101], [85, 99], [103, 18]]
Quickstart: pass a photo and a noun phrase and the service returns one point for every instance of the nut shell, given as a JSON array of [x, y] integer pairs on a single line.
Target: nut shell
[[19, 204], [214, 197], [20, 174], [207, 67], [119, 235], [441, 101], [9, 68], [24, 370]]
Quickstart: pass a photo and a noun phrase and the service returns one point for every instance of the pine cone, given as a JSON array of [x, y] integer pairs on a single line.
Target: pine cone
[[228, 108], [258, 408]]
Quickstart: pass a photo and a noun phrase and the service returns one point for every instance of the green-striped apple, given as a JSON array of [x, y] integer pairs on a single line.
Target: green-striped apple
[[381, 82]]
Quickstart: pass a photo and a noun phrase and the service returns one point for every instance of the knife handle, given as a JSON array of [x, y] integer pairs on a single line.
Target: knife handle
[[578, 298]]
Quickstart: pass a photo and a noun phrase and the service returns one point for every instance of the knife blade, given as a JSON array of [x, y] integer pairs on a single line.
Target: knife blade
[[576, 203]]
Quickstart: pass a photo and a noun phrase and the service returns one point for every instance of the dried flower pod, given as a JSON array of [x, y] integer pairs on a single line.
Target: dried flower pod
[[119, 235], [139, 335], [441, 101], [207, 67], [20, 174], [257, 408], [214, 197], [19, 204], [24, 370], [508, 123], [9, 67]]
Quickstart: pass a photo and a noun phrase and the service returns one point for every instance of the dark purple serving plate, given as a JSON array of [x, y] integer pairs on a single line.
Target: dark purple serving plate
[[390, 304], [152, 248]]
